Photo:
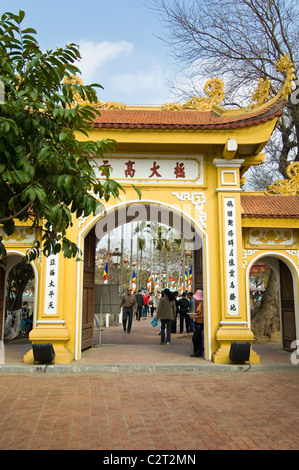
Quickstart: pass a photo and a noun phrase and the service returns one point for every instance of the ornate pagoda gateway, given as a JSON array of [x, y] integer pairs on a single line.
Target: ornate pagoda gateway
[[188, 161]]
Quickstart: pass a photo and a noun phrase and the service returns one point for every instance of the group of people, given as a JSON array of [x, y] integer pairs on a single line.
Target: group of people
[[168, 307], [146, 303]]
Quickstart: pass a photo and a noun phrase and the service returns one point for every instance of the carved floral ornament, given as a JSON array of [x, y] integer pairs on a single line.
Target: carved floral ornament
[[214, 90], [21, 235], [271, 237]]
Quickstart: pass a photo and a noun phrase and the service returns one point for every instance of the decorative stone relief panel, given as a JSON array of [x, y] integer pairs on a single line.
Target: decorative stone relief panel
[[20, 235], [270, 237]]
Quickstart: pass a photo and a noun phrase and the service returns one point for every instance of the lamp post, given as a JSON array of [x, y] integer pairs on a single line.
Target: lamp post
[[116, 255], [125, 262], [164, 279]]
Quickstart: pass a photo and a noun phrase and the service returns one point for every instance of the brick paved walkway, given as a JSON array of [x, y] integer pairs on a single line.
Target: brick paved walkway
[[207, 410], [174, 409]]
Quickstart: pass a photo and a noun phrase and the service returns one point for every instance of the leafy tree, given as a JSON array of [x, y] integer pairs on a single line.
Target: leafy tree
[[239, 42], [17, 281], [46, 173]]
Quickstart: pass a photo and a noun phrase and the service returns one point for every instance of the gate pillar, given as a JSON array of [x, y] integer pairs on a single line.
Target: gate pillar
[[234, 324], [50, 325], [56, 334]]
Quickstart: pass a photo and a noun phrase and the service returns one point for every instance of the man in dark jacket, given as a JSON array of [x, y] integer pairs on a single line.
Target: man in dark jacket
[[184, 309], [140, 303], [166, 314], [128, 303]]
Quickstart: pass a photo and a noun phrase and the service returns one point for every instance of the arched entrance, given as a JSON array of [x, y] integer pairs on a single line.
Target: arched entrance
[[127, 213], [10, 321], [287, 274]]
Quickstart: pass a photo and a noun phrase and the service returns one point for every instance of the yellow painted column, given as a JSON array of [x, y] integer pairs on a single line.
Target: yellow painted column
[[50, 326], [234, 324]]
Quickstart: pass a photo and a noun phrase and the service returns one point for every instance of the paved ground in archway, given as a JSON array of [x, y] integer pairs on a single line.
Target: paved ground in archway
[[141, 347], [142, 332]]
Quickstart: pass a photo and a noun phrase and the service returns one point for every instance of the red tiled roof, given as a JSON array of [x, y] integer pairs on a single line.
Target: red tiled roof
[[186, 119], [268, 207]]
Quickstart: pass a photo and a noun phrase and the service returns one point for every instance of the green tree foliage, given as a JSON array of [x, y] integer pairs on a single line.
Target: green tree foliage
[[47, 174]]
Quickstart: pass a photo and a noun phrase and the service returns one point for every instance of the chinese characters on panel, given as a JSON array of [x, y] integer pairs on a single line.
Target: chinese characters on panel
[[152, 169], [175, 170], [51, 285], [231, 255]]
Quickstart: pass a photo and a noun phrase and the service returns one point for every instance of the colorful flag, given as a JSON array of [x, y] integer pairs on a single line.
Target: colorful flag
[[105, 275], [133, 282], [190, 279], [186, 280], [156, 285], [149, 284]]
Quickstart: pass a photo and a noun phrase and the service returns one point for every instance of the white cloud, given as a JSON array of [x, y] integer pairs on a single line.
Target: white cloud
[[94, 56], [126, 76], [149, 82]]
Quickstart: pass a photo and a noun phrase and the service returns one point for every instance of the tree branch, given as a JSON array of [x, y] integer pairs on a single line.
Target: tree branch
[[16, 214]]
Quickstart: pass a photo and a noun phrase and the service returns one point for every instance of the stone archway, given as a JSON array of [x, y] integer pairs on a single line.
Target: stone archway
[[162, 213]]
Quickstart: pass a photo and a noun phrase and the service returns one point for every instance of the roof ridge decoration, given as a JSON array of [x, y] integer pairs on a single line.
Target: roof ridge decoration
[[262, 93], [287, 68], [215, 94], [214, 89], [79, 101], [289, 186]]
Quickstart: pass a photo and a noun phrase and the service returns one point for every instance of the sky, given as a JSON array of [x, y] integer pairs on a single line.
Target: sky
[[119, 44]]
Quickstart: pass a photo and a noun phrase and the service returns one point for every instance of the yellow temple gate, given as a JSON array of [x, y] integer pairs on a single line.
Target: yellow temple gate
[[188, 161]]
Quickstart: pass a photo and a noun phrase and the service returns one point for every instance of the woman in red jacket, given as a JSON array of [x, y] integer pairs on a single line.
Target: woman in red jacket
[[146, 298]]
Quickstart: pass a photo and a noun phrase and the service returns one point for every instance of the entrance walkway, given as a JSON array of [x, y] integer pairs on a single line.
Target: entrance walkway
[[140, 350]]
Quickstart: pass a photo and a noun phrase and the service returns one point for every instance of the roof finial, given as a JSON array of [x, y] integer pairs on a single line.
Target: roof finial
[[289, 186]]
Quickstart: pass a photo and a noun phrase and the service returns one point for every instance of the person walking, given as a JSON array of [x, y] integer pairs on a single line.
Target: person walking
[[191, 310], [140, 303], [184, 312], [26, 318], [198, 317], [128, 303], [157, 298], [151, 304], [174, 323], [166, 313], [146, 298]]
